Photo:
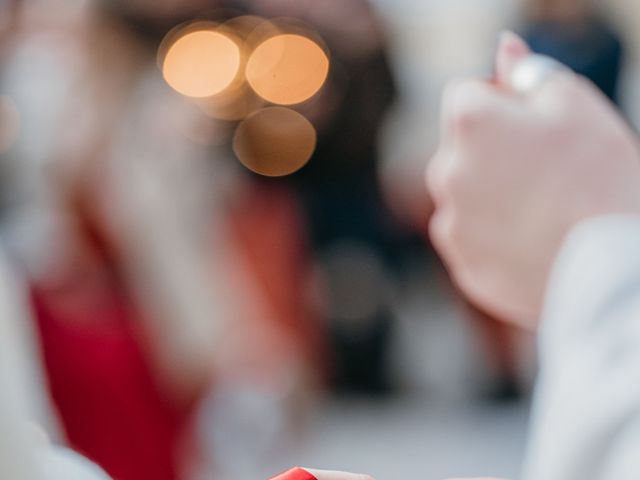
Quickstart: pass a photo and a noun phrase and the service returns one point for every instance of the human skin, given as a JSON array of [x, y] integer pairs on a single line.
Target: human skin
[[515, 173]]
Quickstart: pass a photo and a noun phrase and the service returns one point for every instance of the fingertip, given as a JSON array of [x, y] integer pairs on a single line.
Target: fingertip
[[512, 44], [511, 49]]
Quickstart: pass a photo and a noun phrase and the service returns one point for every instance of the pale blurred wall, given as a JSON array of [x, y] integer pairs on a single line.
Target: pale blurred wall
[[435, 40], [432, 41]]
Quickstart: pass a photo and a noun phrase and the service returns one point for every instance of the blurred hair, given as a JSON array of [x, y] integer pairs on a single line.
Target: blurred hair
[[558, 9], [149, 20]]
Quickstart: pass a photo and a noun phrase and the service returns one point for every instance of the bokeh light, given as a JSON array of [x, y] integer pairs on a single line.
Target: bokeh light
[[275, 141], [287, 69], [9, 123], [202, 63], [233, 105], [250, 28]]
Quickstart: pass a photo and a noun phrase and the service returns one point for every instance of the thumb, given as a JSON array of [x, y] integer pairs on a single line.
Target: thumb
[[511, 49]]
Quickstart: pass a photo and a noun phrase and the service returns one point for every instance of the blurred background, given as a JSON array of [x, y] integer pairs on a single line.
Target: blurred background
[[213, 231]]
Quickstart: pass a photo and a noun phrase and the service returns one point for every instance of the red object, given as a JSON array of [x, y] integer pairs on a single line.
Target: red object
[[268, 229], [101, 379], [294, 474], [103, 387]]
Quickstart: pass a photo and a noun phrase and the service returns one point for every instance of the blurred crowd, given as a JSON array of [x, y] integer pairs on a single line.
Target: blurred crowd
[[212, 210]]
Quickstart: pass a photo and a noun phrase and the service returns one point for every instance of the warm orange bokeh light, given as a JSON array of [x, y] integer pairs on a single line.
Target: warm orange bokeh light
[[287, 69], [201, 63], [233, 105], [275, 141]]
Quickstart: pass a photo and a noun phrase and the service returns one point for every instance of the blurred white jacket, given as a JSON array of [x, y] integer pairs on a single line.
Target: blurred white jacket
[[26, 417], [586, 422]]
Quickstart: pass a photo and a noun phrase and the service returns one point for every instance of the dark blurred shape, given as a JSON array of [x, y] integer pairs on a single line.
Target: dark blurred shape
[[575, 33], [340, 191], [358, 290], [501, 350], [338, 188]]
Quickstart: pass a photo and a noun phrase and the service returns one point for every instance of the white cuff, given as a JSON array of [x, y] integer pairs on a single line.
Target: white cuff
[[597, 266]]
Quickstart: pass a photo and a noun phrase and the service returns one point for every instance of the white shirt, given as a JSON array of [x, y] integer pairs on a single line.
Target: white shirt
[[586, 421]]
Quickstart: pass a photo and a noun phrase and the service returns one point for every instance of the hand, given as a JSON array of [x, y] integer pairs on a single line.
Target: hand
[[515, 173]]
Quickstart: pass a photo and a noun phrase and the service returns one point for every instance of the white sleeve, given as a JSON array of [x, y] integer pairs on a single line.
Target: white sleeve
[[25, 452], [586, 419]]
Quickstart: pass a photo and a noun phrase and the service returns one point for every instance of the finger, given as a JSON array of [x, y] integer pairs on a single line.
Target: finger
[[444, 175], [442, 234], [466, 106], [434, 176], [511, 50]]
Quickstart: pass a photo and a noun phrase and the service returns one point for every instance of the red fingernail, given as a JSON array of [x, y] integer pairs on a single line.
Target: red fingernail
[[294, 474]]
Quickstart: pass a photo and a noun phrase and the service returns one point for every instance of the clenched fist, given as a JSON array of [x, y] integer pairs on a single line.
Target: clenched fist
[[514, 174]]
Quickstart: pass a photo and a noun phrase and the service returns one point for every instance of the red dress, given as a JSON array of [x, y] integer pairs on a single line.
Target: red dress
[[99, 376], [103, 386]]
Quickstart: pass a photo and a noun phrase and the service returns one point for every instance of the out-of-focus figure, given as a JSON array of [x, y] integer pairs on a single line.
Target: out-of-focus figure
[[123, 393], [578, 35], [353, 235], [147, 281]]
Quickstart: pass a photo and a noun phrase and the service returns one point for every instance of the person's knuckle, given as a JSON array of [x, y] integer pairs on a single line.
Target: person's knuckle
[[452, 177], [573, 92], [445, 232], [451, 184], [432, 183], [469, 114], [434, 172]]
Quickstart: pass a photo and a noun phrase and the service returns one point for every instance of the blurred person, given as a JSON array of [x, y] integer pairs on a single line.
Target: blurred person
[[120, 404], [355, 239], [551, 245], [145, 293], [577, 34]]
